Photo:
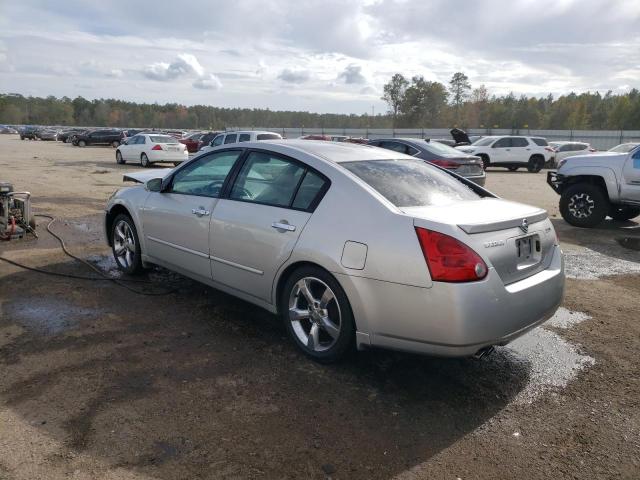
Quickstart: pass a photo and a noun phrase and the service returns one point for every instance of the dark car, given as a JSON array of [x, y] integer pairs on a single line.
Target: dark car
[[99, 137], [206, 139], [67, 134], [467, 166], [47, 134], [28, 133], [192, 141]]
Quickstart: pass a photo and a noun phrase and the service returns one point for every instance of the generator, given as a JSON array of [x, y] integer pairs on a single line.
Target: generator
[[15, 213]]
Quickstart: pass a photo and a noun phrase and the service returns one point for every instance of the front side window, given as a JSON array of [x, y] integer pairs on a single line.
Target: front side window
[[217, 141], [519, 142], [231, 138], [205, 177], [411, 183], [503, 143], [267, 178]]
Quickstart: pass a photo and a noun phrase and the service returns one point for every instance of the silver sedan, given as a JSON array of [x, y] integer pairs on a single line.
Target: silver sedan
[[351, 245]]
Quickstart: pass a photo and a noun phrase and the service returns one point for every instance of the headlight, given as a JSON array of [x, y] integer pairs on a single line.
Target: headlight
[[561, 163]]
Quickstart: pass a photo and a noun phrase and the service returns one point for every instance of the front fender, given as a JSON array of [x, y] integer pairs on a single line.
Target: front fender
[[607, 174], [132, 200]]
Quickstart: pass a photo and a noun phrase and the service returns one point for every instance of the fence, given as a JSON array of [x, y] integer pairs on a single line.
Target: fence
[[599, 139]]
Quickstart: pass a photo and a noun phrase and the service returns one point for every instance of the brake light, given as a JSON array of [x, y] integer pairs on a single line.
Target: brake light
[[591, 149], [445, 163], [448, 259], [549, 149], [157, 147]]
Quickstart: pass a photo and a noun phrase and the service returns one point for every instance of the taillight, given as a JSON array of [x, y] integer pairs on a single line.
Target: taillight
[[549, 149], [592, 149], [157, 147], [445, 163], [448, 259]]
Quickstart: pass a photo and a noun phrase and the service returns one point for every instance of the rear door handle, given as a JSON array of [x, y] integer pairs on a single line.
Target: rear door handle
[[200, 211], [283, 226]]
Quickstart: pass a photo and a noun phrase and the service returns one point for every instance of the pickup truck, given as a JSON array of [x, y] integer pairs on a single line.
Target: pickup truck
[[592, 187]]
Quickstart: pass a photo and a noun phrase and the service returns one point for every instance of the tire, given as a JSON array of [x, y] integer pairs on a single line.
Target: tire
[[485, 161], [115, 144], [144, 160], [21, 138], [331, 317], [623, 213], [536, 162], [584, 205], [513, 169], [82, 143], [125, 245], [175, 164], [119, 159]]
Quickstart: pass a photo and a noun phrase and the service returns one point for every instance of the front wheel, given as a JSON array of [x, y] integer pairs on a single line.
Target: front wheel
[[144, 160], [623, 213], [126, 245], [485, 161], [317, 314], [119, 159], [115, 144], [513, 169], [82, 143], [584, 205]]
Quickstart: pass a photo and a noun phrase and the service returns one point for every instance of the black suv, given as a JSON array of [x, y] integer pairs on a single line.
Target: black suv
[[28, 132], [99, 137]]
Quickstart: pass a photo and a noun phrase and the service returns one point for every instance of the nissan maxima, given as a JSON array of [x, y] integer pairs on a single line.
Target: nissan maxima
[[350, 245]]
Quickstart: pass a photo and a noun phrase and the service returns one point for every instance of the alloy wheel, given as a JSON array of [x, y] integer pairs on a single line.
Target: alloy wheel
[[314, 314], [124, 244], [581, 205]]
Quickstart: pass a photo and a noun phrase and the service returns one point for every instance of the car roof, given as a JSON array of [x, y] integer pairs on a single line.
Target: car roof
[[337, 152], [250, 131]]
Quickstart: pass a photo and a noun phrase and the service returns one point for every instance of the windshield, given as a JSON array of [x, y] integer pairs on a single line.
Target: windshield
[[162, 139], [484, 142], [436, 147], [411, 183], [624, 148]]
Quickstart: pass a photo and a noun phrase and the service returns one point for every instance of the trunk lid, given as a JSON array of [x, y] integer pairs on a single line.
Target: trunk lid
[[494, 228]]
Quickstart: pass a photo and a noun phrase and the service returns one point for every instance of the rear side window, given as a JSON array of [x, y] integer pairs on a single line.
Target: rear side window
[[244, 137], [311, 186], [411, 183], [540, 142], [230, 138], [268, 136], [519, 142]]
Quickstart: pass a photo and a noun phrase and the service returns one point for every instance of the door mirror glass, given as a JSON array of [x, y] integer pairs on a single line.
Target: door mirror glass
[[154, 185]]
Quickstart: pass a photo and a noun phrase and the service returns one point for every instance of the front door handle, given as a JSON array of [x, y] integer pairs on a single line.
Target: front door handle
[[200, 211], [283, 226]]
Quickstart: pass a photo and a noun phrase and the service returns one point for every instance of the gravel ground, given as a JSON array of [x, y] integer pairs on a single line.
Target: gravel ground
[[99, 382]]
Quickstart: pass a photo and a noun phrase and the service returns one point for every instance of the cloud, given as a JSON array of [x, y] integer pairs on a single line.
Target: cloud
[[352, 74], [185, 64], [114, 73], [208, 82], [294, 76]]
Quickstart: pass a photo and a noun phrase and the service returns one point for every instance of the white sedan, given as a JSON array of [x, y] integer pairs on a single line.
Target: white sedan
[[148, 148]]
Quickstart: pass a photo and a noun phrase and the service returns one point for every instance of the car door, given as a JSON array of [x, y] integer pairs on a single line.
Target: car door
[[631, 177], [501, 151], [521, 151], [254, 230], [176, 220]]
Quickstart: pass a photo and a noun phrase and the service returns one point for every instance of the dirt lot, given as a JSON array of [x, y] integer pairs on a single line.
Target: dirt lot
[[99, 382]]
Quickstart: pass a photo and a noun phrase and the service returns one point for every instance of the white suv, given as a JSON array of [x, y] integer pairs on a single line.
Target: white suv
[[511, 152], [240, 136]]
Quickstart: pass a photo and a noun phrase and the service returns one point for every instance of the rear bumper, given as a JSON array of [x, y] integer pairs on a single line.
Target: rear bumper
[[454, 320], [162, 156], [480, 180]]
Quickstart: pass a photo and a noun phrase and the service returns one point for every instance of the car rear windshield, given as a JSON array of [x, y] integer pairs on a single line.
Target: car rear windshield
[[163, 139], [268, 136], [411, 183], [540, 141]]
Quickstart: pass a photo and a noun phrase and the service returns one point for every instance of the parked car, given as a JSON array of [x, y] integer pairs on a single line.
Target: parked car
[[192, 141], [66, 135], [241, 136], [360, 140], [46, 134], [596, 185], [131, 132], [98, 137], [314, 136], [349, 245], [444, 141], [468, 166], [512, 152], [624, 147], [5, 129], [562, 150], [205, 140], [28, 132], [149, 148]]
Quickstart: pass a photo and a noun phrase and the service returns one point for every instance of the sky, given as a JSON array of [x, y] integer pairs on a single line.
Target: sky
[[321, 56]]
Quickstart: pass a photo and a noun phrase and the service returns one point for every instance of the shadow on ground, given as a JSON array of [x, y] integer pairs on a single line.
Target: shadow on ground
[[198, 383]]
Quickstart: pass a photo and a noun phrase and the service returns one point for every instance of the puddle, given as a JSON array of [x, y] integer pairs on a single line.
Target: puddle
[[48, 316], [106, 263], [587, 264]]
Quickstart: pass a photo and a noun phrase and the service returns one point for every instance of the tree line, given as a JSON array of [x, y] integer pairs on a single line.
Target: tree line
[[421, 103], [412, 103]]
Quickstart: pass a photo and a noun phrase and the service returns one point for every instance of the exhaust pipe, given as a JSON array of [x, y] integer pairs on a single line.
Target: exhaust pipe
[[484, 352]]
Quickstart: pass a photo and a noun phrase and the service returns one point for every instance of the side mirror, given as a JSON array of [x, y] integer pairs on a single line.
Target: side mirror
[[154, 185]]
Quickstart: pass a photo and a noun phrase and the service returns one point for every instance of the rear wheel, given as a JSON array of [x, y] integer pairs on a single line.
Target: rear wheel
[[623, 213], [82, 143], [317, 314], [584, 205], [144, 160], [119, 158], [125, 245], [115, 144], [536, 162], [485, 161]]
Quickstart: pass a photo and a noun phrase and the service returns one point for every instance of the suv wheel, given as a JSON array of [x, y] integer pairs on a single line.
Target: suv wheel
[[317, 314], [584, 205], [623, 213], [536, 162], [485, 160]]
